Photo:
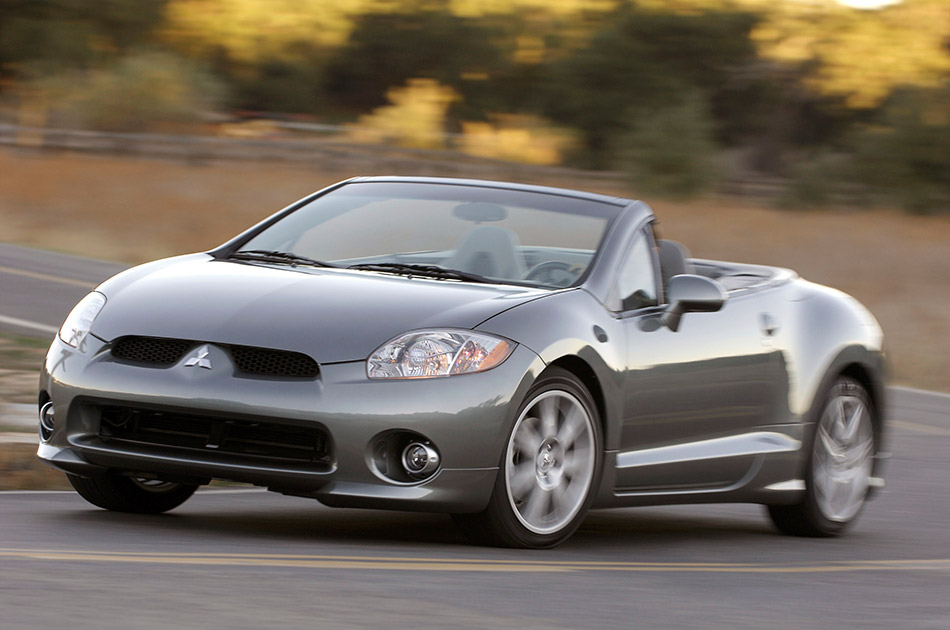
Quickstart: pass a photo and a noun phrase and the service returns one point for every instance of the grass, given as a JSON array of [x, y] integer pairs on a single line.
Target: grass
[[132, 210], [21, 470], [20, 361]]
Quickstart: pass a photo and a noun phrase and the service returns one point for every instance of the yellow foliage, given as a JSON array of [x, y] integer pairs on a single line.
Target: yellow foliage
[[478, 8], [863, 55], [860, 55], [251, 30], [525, 139], [414, 119]]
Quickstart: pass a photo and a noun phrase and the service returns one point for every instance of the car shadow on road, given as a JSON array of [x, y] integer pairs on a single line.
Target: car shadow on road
[[314, 524]]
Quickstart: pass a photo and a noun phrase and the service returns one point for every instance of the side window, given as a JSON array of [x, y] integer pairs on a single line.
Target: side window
[[636, 282]]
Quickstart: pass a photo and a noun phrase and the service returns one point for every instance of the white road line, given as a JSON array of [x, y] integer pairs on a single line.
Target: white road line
[[15, 321], [918, 427], [86, 284], [37, 492], [201, 491], [920, 392]]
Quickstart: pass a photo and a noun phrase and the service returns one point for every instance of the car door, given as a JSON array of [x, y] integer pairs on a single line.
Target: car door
[[694, 397]]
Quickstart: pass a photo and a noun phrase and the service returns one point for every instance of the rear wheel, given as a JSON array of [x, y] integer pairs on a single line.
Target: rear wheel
[[549, 472], [838, 474], [129, 494]]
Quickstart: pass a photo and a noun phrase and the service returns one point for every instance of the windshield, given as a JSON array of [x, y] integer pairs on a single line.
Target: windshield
[[490, 234]]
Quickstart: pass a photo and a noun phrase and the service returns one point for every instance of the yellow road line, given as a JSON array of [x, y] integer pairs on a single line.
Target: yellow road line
[[47, 277], [917, 427], [465, 564]]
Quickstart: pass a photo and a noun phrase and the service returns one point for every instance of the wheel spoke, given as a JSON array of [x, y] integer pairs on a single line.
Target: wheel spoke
[[853, 423], [560, 503], [573, 424], [828, 442], [523, 480], [858, 453], [527, 439], [840, 417], [823, 481], [548, 413], [536, 505]]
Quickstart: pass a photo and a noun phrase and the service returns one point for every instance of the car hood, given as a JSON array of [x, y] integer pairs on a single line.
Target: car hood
[[334, 315]]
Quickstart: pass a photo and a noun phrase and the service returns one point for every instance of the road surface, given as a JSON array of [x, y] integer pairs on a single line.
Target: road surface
[[38, 288], [246, 558]]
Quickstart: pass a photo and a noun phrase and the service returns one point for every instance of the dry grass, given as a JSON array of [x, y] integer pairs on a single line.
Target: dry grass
[[135, 210], [21, 470], [20, 361]]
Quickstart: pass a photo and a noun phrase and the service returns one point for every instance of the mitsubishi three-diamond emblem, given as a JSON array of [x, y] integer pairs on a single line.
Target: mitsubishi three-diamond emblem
[[200, 358]]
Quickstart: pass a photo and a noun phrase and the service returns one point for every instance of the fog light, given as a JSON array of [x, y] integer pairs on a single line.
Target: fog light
[[47, 421], [403, 457], [420, 460]]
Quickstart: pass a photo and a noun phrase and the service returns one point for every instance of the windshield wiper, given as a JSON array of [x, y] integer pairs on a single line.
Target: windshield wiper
[[422, 271], [274, 256]]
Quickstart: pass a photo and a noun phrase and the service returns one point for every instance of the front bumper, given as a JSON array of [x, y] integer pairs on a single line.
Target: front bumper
[[466, 417]]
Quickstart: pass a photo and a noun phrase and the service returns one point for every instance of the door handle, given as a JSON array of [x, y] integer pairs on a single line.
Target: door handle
[[769, 324]]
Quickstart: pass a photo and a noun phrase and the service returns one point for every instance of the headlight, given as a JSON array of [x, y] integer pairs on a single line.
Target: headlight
[[429, 353], [79, 320]]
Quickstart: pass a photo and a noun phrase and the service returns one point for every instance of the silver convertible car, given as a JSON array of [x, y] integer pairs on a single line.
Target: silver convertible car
[[512, 355]]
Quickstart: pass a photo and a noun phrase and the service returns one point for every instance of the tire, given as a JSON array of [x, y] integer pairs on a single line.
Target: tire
[[839, 466], [126, 494], [549, 471]]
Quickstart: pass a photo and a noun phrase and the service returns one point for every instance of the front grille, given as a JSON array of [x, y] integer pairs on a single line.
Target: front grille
[[151, 350], [265, 362], [163, 352], [211, 433]]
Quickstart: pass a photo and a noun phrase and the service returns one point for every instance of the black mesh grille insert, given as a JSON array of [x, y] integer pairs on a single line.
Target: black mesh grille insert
[[265, 362], [210, 433], [159, 351], [153, 350]]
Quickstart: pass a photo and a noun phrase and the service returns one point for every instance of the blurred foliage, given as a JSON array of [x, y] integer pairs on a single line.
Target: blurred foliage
[[814, 181], [643, 60], [671, 151], [141, 91], [861, 56], [387, 49], [43, 37], [415, 117], [906, 158], [517, 138], [775, 78]]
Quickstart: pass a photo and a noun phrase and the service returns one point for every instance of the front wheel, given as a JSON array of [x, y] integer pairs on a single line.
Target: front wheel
[[549, 472], [127, 494], [838, 473]]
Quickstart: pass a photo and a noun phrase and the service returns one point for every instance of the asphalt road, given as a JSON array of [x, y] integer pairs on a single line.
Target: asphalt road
[[251, 559], [38, 288]]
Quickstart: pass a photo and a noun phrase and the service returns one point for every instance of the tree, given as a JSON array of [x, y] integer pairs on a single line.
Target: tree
[[642, 60], [38, 38], [387, 49], [905, 158], [671, 151]]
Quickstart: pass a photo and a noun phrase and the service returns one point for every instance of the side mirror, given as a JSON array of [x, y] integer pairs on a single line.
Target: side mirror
[[687, 293]]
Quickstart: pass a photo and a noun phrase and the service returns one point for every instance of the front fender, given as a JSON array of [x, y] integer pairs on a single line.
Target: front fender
[[573, 324]]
